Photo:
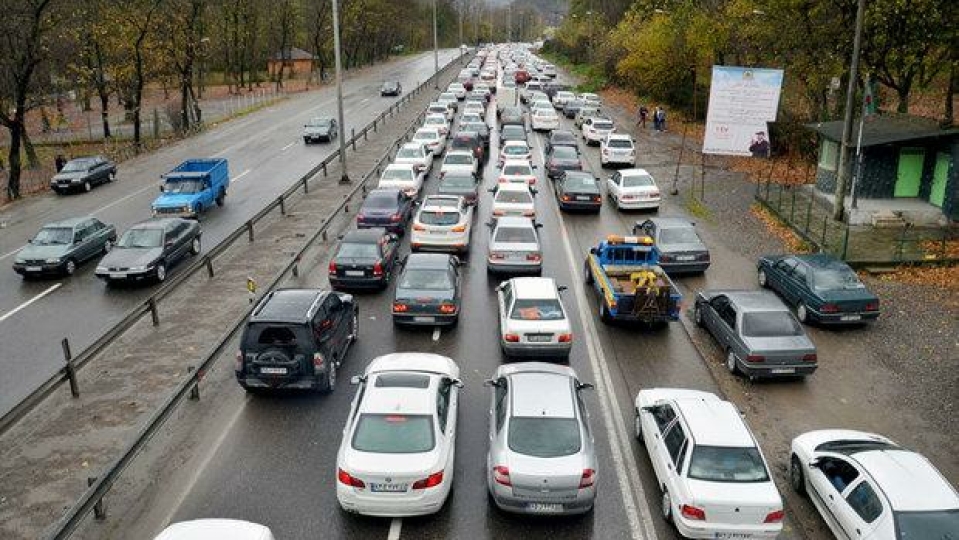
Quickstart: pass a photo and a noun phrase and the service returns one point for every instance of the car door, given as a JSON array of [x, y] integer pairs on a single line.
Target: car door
[[77, 247], [829, 479], [713, 318], [673, 455], [612, 185], [778, 272], [388, 249], [446, 420], [860, 510], [795, 282], [656, 423], [92, 243], [505, 299], [340, 323]]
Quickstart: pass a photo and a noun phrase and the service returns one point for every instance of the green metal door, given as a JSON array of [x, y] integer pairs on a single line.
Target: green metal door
[[938, 192], [910, 172]]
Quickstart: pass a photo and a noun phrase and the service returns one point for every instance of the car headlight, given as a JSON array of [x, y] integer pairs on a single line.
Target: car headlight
[[186, 208], [18, 260], [139, 268], [74, 180], [52, 261], [101, 269]]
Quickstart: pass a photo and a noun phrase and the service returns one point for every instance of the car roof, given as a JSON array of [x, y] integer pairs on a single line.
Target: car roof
[[404, 166], [399, 399], [415, 146], [515, 142], [385, 192], [621, 136], [714, 422], [561, 134], [428, 260], [68, 222], [823, 261], [365, 236], [206, 529], [755, 300], [634, 171], [908, 479], [542, 393], [514, 221], [507, 162], [288, 306], [534, 288], [513, 186], [155, 223]]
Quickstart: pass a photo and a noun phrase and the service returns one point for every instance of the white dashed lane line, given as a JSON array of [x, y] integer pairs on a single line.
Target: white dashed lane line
[[241, 175], [436, 333], [396, 526], [15, 310]]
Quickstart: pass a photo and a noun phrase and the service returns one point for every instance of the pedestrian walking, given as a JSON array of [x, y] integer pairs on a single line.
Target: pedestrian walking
[[643, 113], [659, 119], [59, 162]]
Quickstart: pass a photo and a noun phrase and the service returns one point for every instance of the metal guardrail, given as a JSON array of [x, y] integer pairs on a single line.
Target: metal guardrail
[[91, 500], [74, 363]]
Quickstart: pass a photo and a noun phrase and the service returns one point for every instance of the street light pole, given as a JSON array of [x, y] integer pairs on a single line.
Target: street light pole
[[345, 178], [436, 52], [842, 176]]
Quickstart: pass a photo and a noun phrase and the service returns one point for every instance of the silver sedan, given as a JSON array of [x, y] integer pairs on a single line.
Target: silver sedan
[[541, 458]]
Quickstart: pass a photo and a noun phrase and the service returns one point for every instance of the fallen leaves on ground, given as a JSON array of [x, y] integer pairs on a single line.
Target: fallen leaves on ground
[[792, 241], [943, 277], [934, 248]]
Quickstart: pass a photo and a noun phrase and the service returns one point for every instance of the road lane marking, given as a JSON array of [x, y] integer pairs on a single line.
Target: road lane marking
[[396, 526], [436, 334], [640, 522], [241, 175], [15, 310], [365, 100], [287, 147]]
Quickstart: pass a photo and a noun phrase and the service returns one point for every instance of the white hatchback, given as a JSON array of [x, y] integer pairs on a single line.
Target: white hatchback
[[517, 170], [617, 148], [457, 89], [432, 138], [714, 479], [544, 120], [514, 150], [532, 319], [405, 177], [443, 223], [513, 200], [397, 453], [632, 189], [596, 129], [459, 161]]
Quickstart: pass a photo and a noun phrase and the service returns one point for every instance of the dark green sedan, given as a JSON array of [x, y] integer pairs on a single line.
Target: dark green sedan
[[58, 248], [822, 288]]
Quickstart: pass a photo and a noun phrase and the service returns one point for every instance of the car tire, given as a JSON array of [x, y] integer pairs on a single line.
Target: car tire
[[329, 382], [161, 272], [87, 186], [802, 313], [638, 427], [69, 267], [604, 314], [666, 507], [731, 365], [107, 246], [198, 209], [221, 198], [761, 277], [195, 246], [796, 478], [112, 176], [698, 316]]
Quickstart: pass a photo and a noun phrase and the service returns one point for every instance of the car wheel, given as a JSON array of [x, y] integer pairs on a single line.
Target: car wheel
[[588, 275], [698, 316], [666, 507], [802, 313], [161, 272], [761, 276], [221, 198], [112, 176], [87, 186], [198, 209], [731, 363], [70, 267], [638, 426], [355, 327], [796, 479], [330, 384], [604, 314], [107, 246], [195, 246]]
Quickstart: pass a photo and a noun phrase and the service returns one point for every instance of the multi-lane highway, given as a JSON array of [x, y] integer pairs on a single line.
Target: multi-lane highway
[[265, 153]]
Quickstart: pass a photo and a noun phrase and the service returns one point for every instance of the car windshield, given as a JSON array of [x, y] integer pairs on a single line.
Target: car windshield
[[50, 236], [477, 126], [380, 201], [679, 235], [409, 153], [358, 250], [514, 197], [398, 174], [934, 525], [320, 123], [516, 150], [77, 165], [544, 437], [727, 464], [439, 218], [426, 279], [393, 433], [545, 309], [830, 280], [771, 324], [517, 170], [515, 235], [639, 180], [457, 182], [619, 143], [564, 152], [141, 238], [603, 125], [458, 159], [183, 186]]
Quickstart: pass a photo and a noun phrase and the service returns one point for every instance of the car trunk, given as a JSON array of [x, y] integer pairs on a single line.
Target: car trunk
[[391, 474], [849, 300], [545, 479], [515, 252], [424, 301], [539, 331], [746, 503], [782, 350], [278, 352], [355, 267]]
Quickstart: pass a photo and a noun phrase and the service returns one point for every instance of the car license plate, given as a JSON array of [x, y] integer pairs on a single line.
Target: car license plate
[[424, 319], [545, 508], [686, 258], [539, 338], [118, 275], [33, 269], [734, 536], [355, 273], [782, 371], [387, 488], [273, 370], [850, 318], [582, 198]]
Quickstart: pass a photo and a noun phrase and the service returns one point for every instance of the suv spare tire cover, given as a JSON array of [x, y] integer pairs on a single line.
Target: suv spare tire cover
[[273, 356]]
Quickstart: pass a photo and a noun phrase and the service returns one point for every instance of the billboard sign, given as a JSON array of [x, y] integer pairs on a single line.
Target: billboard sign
[[741, 102]]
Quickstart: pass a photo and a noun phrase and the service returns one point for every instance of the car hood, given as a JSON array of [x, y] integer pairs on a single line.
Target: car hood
[[433, 296], [33, 251], [173, 200], [127, 257], [69, 175], [796, 344]]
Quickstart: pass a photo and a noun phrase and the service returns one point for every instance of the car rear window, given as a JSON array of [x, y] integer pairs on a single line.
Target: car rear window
[[934, 524], [544, 437], [679, 235], [409, 153], [603, 125], [515, 150], [394, 433], [458, 159], [564, 152], [517, 170], [727, 464], [358, 250], [398, 174], [540, 309], [517, 197], [521, 235], [584, 183], [380, 201], [771, 324], [642, 180], [429, 135], [439, 218], [427, 280], [619, 143], [289, 338], [458, 181], [831, 280]]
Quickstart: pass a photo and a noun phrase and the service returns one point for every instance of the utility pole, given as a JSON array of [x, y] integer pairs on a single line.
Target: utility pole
[[842, 176], [436, 52], [459, 10], [509, 22], [345, 178]]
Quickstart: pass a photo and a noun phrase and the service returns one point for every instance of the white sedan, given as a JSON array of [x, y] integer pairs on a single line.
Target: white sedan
[[438, 122], [617, 148], [432, 138], [397, 453], [416, 154], [513, 150], [866, 486], [517, 170], [405, 177], [544, 120], [532, 319], [459, 161], [215, 529], [443, 223], [714, 479], [631, 189], [513, 200]]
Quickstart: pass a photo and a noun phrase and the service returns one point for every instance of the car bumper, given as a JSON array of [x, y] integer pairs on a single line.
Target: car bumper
[[316, 138], [776, 370], [614, 160], [419, 503], [390, 226], [340, 282], [501, 267], [300, 382], [459, 245], [544, 126], [508, 502], [425, 319], [637, 204], [684, 267], [537, 350], [44, 269], [128, 276], [68, 186], [698, 529], [174, 212], [845, 318], [593, 206]]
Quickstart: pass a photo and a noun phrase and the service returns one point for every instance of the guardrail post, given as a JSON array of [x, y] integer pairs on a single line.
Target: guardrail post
[[152, 303], [209, 266], [374, 124], [366, 133], [353, 138], [68, 369], [324, 168], [195, 390], [99, 509], [325, 236], [346, 207], [282, 205], [306, 181], [249, 230], [296, 266]]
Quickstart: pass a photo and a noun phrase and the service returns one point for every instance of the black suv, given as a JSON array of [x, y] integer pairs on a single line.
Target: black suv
[[297, 338]]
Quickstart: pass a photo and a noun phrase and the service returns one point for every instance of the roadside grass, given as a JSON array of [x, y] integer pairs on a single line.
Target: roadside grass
[[591, 76], [697, 209]]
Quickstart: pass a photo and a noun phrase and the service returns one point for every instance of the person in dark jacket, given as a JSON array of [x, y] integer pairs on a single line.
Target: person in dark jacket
[[59, 162], [759, 146]]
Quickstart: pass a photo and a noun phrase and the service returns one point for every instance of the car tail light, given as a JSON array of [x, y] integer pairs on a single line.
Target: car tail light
[[332, 268], [418, 227], [872, 306], [432, 480], [239, 361], [529, 213], [511, 338], [447, 309], [502, 180], [702, 257], [396, 217], [501, 475], [400, 308], [565, 338], [653, 194], [809, 357], [442, 175], [755, 358], [349, 480], [497, 256], [588, 478], [692, 512], [605, 152], [566, 198], [378, 268], [317, 361], [596, 198], [665, 258], [775, 517], [360, 218], [535, 257], [532, 181], [830, 308], [459, 228]]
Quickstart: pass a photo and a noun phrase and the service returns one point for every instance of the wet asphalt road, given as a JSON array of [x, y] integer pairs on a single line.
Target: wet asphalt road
[[265, 153], [275, 463]]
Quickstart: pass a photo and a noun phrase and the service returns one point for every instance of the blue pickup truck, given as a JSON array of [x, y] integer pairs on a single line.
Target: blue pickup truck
[[192, 187], [631, 285]]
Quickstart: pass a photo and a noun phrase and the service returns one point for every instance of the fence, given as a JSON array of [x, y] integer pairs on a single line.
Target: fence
[[811, 219], [91, 500]]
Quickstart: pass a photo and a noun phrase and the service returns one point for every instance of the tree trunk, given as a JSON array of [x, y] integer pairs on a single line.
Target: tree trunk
[[185, 101], [903, 93], [105, 112], [13, 182], [950, 118]]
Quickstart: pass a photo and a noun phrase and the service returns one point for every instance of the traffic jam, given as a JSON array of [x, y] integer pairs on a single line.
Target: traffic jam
[[413, 239]]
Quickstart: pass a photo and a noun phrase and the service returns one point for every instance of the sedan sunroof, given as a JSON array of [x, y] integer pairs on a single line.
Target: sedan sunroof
[[402, 380]]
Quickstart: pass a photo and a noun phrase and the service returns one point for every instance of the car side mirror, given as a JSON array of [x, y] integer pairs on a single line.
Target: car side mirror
[[457, 383], [815, 463], [584, 386], [30, 241], [357, 379], [490, 383], [168, 243], [538, 225], [562, 288], [161, 188], [592, 251]]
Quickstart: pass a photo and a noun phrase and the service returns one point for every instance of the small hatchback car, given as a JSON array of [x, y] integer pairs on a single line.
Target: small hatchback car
[[532, 319], [297, 338]]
